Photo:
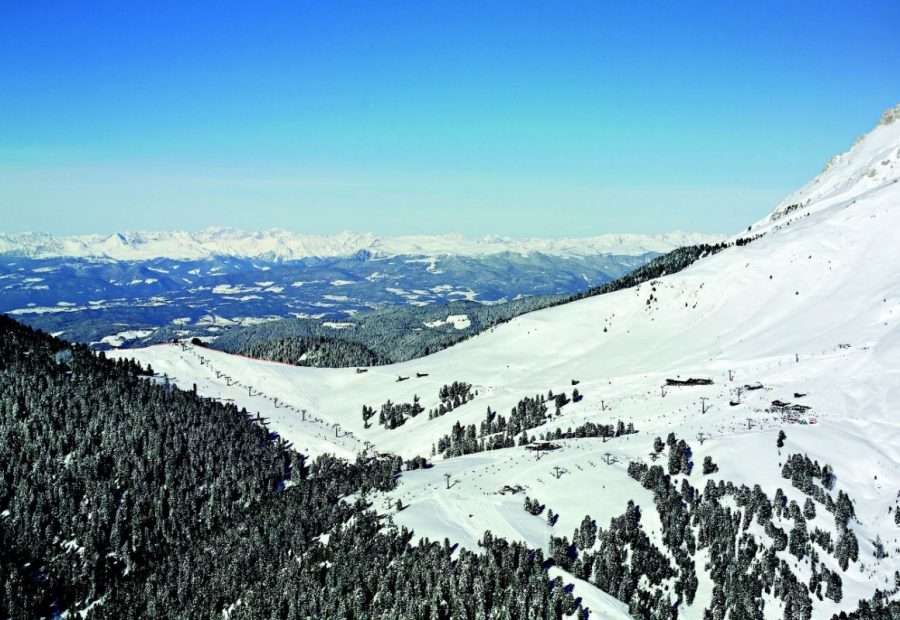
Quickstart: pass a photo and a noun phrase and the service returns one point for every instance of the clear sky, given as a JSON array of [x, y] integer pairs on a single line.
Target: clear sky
[[516, 118]]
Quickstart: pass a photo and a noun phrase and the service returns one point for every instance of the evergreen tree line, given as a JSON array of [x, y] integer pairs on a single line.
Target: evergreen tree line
[[591, 429], [317, 351], [497, 431]]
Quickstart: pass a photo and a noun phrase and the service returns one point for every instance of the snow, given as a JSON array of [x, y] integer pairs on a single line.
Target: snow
[[458, 321], [869, 166], [286, 245], [812, 307], [117, 340], [338, 325], [230, 289], [255, 320], [214, 319], [32, 309]]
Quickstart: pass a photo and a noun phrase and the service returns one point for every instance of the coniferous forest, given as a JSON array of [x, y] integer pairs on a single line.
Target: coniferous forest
[[124, 497]]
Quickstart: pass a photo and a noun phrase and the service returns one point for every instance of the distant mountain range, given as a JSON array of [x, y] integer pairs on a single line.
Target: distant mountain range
[[282, 245]]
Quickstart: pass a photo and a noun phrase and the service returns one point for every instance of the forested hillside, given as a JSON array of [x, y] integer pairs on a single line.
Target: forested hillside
[[124, 497]]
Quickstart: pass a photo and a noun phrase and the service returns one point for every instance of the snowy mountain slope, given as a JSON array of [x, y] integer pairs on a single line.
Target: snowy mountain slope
[[285, 245], [812, 308], [871, 163]]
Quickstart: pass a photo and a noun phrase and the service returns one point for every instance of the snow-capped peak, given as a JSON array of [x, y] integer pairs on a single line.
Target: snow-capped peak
[[286, 245], [872, 163]]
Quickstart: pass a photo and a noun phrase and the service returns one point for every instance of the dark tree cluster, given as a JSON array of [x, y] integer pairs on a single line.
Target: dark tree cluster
[[709, 467], [461, 440], [741, 567], [559, 400], [670, 263], [417, 462], [451, 396], [803, 472], [533, 506], [383, 336], [679, 456], [275, 566], [391, 415]]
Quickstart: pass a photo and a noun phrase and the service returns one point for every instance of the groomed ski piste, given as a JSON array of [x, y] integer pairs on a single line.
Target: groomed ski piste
[[811, 308]]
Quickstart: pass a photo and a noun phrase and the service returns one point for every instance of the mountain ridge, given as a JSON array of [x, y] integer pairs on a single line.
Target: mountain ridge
[[283, 245], [870, 164]]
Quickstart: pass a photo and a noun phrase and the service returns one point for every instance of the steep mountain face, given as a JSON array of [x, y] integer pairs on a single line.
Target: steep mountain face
[[869, 166], [283, 245], [794, 344]]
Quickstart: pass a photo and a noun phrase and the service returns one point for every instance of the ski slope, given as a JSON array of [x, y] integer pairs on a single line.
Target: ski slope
[[811, 307]]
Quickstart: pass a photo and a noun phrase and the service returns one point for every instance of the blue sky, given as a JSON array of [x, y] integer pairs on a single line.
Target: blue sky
[[514, 118]]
